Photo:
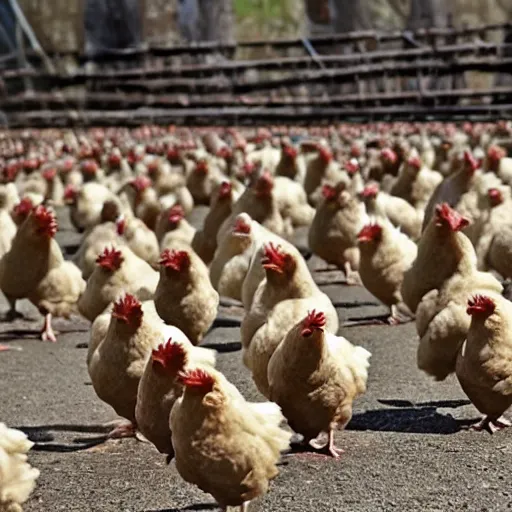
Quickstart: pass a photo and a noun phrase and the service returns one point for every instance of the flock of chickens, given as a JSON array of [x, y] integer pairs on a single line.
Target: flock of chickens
[[421, 215]]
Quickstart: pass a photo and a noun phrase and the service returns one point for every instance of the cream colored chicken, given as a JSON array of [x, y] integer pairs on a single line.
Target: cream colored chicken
[[185, 296], [34, 268], [386, 254], [442, 251], [416, 182], [159, 387], [204, 241], [287, 293], [484, 364], [117, 271], [173, 227], [139, 238], [17, 476], [7, 226], [223, 444], [117, 363], [333, 232], [395, 209], [314, 376], [442, 323]]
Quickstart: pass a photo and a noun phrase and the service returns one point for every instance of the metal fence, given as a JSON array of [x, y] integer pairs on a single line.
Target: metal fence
[[359, 76]]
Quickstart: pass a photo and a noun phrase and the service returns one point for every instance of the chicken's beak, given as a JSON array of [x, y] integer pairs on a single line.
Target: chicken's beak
[[364, 239]]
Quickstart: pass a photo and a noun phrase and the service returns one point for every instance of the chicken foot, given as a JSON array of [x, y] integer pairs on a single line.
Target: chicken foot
[[352, 276], [328, 447], [399, 316], [47, 333], [242, 508], [123, 430], [492, 426]]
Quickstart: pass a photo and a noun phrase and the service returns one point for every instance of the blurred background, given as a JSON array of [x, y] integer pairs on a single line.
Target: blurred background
[[255, 51]]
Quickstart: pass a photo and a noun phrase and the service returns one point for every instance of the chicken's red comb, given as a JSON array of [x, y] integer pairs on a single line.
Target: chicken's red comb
[[225, 190], [355, 151], [495, 196], [128, 309], [202, 166], [176, 260], [141, 183], [274, 258], [352, 166], [290, 151], [153, 167], [249, 168], [470, 160], [325, 153], [70, 193], [89, 167], [496, 153], [225, 152], [170, 355], [23, 208], [371, 190], [389, 155], [313, 321], [415, 161], [198, 379], [241, 226], [173, 153], [329, 192], [68, 164], [446, 215], [49, 174], [45, 220], [480, 304], [370, 232], [110, 259], [31, 164], [176, 213], [114, 160], [121, 226]]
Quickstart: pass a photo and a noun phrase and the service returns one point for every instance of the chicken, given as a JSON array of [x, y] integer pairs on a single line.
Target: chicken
[[117, 363], [86, 204], [320, 169], [498, 162], [442, 251], [494, 224], [17, 476], [95, 239], [50, 283], [232, 258], [442, 323], [159, 387], [202, 180], [292, 203], [287, 293], [117, 271], [499, 256], [22, 210], [185, 296], [223, 444], [260, 203], [386, 254], [416, 182], [484, 364], [291, 164], [139, 238], [333, 232], [314, 377], [395, 209], [204, 241], [7, 226], [453, 187], [172, 226]]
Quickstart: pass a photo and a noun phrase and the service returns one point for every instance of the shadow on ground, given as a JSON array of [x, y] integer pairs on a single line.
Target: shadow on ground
[[407, 417]]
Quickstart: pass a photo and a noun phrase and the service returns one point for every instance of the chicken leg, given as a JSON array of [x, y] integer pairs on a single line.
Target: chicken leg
[[328, 447], [12, 314], [352, 276], [492, 426], [47, 333], [4, 348]]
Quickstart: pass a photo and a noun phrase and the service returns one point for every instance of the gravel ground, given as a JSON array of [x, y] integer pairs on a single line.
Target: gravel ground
[[406, 447]]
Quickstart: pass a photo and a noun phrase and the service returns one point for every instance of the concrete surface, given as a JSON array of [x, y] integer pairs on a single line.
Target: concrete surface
[[406, 447]]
